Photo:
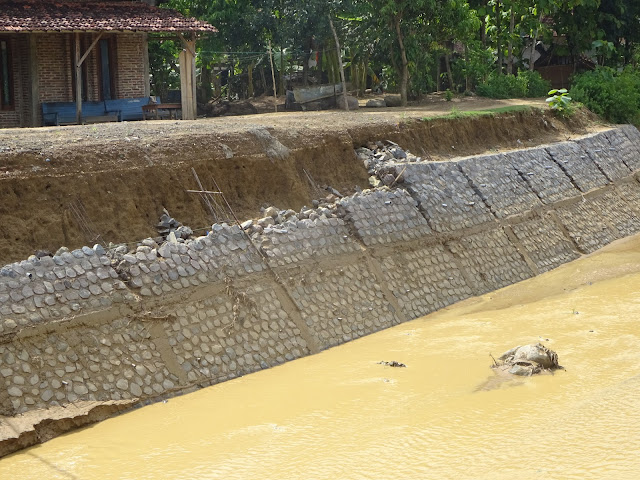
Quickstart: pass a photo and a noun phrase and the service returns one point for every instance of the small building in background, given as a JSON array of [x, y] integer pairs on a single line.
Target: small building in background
[[65, 50]]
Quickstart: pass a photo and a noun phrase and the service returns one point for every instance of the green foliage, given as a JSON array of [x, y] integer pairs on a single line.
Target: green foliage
[[536, 85], [611, 94], [560, 101], [526, 84], [448, 95]]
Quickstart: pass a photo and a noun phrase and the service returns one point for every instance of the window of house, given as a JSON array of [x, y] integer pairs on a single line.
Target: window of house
[[6, 76]]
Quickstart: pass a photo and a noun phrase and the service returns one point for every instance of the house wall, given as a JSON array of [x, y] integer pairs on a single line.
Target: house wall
[[54, 55], [130, 80], [19, 116]]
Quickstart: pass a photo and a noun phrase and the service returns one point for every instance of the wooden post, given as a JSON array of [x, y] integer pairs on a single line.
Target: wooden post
[[344, 83], [78, 67], [273, 78], [145, 60], [187, 60], [35, 81]]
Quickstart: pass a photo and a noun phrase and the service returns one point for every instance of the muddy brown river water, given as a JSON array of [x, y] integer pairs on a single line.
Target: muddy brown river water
[[341, 415]]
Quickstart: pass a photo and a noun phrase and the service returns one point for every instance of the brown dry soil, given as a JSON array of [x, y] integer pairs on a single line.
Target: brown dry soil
[[121, 175]]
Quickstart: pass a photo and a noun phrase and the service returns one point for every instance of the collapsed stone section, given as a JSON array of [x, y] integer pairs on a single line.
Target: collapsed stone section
[[490, 260], [582, 170], [384, 216], [608, 158], [300, 241], [550, 183], [501, 186], [42, 289], [425, 279], [224, 252], [445, 195], [544, 243]]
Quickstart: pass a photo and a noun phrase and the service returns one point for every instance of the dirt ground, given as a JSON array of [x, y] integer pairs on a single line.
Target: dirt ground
[[120, 176]]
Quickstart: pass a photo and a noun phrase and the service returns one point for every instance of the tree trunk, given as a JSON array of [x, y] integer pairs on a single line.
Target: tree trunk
[[467, 80], [438, 71], [447, 64], [232, 70], [512, 24], [319, 66], [250, 86], [344, 82], [404, 73], [533, 44], [281, 87], [498, 38]]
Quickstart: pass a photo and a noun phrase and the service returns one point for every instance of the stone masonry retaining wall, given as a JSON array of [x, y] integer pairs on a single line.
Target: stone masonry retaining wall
[[83, 326]]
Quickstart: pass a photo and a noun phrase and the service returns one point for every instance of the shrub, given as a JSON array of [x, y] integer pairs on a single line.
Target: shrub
[[613, 95], [526, 84], [560, 102], [536, 85]]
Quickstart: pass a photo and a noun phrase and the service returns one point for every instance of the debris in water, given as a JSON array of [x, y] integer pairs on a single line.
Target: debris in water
[[528, 360], [392, 363]]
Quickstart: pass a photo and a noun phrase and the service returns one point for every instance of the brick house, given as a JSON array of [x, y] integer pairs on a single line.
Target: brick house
[[87, 50]]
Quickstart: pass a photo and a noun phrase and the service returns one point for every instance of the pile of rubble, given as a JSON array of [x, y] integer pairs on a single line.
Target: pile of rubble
[[378, 158], [274, 219]]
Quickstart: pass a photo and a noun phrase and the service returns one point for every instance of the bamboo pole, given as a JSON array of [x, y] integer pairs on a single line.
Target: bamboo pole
[[344, 83], [273, 78]]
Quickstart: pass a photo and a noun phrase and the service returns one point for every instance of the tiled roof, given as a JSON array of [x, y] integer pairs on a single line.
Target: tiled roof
[[61, 16]]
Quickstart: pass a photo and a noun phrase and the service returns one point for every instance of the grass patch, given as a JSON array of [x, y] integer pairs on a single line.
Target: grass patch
[[491, 112]]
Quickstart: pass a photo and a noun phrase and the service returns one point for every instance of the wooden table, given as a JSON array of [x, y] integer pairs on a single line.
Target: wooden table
[[151, 110]]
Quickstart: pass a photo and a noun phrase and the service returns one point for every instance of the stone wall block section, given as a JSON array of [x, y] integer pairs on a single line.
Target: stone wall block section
[[490, 260], [581, 169], [616, 212], [424, 280], [625, 144], [585, 225], [341, 304], [500, 185], [543, 175], [114, 361], [383, 216], [633, 135], [445, 195], [37, 290], [227, 336], [630, 192], [307, 240], [607, 157], [545, 243]]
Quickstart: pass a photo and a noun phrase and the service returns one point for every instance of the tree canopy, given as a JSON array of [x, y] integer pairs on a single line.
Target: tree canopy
[[410, 46]]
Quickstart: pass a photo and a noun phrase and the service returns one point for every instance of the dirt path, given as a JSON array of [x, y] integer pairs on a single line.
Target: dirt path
[[48, 139]]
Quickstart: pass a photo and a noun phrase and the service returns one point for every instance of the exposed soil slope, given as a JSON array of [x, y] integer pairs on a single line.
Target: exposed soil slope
[[121, 175]]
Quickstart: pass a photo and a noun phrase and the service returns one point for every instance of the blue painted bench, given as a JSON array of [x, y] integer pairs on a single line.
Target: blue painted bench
[[118, 110], [64, 113], [127, 108]]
